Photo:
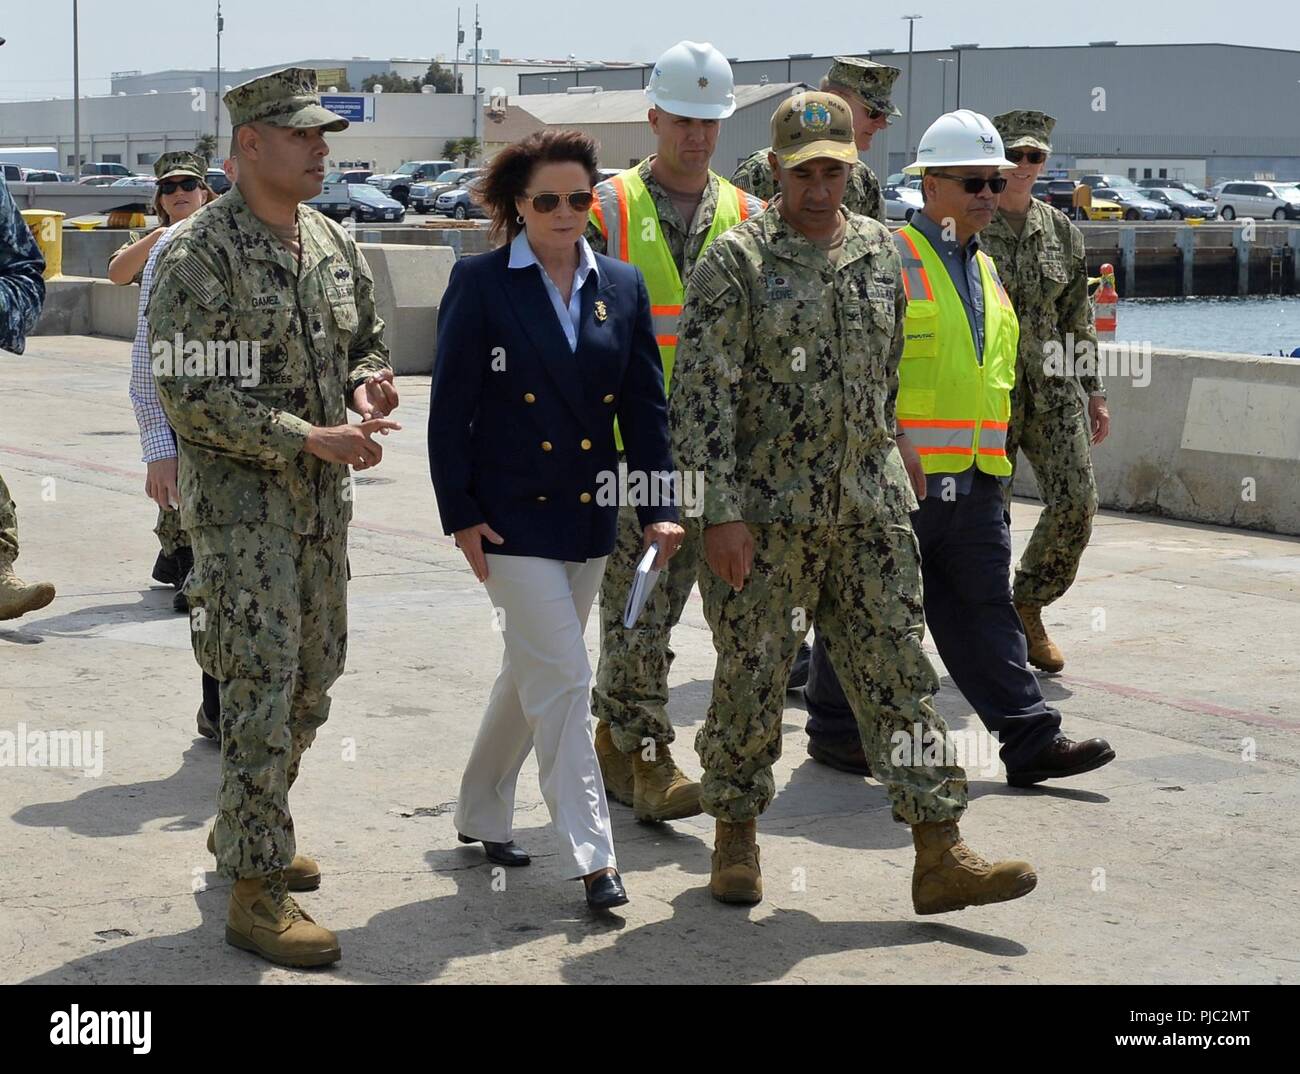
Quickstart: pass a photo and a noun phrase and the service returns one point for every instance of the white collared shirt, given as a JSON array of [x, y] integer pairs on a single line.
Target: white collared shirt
[[521, 256]]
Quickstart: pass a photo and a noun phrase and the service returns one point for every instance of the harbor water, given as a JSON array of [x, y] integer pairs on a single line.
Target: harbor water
[[1261, 324]]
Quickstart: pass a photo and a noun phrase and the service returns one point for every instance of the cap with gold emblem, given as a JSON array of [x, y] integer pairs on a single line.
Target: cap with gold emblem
[[284, 98], [1025, 128], [871, 81], [179, 162], [810, 125]]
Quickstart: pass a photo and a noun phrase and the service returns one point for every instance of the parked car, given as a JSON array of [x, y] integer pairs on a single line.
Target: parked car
[[1181, 203], [423, 195], [350, 176], [101, 167], [1099, 209], [1135, 203], [368, 204], [1261, 200], [39, 175], [1058, 193], [1176, 184], [1110, 182], [216, 180], [97, 180], [398, 184], [142, 181], [13, 173], [901, 202], [458, 203]]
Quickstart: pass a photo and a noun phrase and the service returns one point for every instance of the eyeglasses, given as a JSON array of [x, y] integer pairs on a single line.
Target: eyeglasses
[[579, 201], [973, 184], [170, 186], [1034, 156]]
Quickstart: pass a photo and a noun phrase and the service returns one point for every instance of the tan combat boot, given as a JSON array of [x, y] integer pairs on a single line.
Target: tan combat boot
[[736, 876], [1043, 652], [951, 876], [615, 765], [264, 919], [18, 598], [661, 790], [303, 874]]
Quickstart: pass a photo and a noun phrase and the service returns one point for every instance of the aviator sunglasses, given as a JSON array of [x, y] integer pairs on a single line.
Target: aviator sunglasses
[[170, 186], [579, 201]]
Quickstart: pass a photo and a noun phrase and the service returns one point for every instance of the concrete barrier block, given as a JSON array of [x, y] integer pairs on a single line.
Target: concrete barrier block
[[114, 309], [1211, 438], [409, 283], [67, 307]]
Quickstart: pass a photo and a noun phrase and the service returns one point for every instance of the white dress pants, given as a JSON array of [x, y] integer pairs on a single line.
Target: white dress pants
[[541, 701]]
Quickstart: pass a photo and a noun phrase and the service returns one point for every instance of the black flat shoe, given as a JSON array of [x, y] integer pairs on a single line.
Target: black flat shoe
[[605, 892], [500, 853], [1062, 758]]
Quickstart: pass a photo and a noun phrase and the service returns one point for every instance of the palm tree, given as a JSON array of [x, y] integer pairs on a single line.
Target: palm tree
[[206, 147]]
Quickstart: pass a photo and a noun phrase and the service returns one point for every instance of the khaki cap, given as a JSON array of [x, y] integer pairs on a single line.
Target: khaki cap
[[284, 98], [810, 125]]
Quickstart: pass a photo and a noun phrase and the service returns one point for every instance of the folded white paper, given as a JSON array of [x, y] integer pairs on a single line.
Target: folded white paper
[[643, 582]]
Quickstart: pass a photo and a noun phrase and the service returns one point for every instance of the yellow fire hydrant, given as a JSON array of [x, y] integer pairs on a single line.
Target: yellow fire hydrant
[[47, 227]]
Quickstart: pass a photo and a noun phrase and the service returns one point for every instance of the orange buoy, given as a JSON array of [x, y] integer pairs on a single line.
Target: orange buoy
[[1105, 304]]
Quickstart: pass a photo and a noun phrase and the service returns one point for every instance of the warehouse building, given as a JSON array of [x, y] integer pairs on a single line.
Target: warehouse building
[[1197, 112]]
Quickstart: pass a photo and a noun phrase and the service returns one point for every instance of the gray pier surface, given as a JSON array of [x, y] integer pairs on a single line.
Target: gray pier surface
[[1177, 862]]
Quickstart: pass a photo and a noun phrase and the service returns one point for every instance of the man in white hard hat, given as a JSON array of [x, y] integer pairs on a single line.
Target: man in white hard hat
[[954, 403], [660, 216]]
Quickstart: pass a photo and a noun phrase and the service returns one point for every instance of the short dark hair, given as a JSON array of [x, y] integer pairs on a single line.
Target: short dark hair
[[511, 170]]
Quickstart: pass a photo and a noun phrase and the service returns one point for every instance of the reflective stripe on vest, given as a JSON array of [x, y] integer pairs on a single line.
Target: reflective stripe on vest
[[625, 213], [954, 408]]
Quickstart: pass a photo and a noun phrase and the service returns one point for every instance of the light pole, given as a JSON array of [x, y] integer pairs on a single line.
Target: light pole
[[907, 119], [943, 100], [76, 98], [478, 36], [455, 63], [221, 25]]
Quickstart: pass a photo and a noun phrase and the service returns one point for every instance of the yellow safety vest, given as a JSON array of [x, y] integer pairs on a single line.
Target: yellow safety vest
[[951, 406], [625, 213]]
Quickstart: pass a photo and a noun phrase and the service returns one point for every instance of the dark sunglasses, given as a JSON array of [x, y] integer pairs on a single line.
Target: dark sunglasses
[[973, 184], [579, 201], [170, 186], [1034, 156]]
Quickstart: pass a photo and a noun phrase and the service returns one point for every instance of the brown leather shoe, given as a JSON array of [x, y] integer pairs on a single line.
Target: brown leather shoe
[[302, 874], [1061, 758], [950, 876], [735, 875], [615, 766], [1043, 652], [844, 754], [661, 790], [264, 919]]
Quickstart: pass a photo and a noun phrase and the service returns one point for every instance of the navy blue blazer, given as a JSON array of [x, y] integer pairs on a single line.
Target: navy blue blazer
[[521, 429]]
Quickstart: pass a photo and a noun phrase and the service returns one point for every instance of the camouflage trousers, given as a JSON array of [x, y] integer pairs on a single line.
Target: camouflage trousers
[[268, 615], [171, 538], [631, 691], [8, 526], [1056, 442], [862, 586]]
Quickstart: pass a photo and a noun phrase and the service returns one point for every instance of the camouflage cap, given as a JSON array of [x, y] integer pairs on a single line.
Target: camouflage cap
[[871, 81], [180, 162], [1025, 128], [810, 125], [284, 98]]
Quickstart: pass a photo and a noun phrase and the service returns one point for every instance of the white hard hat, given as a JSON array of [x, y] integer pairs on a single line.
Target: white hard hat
[[960, 139], [693, 80]]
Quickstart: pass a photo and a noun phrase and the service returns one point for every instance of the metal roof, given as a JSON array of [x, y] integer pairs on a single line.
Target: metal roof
[[625, 106]]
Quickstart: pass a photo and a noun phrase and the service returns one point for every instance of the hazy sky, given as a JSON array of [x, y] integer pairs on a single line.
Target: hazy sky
[[151, 35]]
